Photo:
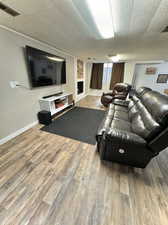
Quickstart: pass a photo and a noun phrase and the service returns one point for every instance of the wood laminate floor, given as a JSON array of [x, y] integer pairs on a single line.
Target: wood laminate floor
[[47, 179]]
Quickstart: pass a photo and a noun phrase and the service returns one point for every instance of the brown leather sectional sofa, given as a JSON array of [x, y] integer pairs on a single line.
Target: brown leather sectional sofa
[[135, 130]]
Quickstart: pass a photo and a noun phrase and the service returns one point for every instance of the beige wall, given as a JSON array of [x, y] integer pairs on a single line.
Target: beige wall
[[19, 106], [142, 79], [129, 72]]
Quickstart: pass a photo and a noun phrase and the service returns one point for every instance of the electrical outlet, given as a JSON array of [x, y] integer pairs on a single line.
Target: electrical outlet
[[13, 84]]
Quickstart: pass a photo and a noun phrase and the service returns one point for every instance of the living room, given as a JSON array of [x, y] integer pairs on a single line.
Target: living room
[[84, 112]]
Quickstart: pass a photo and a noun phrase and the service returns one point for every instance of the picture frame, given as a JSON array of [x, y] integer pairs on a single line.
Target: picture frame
[[80, 69], [151, 70], [162, 78]]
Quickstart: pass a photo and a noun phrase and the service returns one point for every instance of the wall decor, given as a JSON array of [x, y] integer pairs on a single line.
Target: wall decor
[[151, 70], [162, 78], [166, 91], [80, 73]]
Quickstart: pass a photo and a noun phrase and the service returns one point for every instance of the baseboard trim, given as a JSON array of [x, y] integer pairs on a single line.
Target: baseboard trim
[[18, 132]]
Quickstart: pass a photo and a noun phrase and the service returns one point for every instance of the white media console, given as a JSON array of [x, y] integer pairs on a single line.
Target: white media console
[[56, 103]]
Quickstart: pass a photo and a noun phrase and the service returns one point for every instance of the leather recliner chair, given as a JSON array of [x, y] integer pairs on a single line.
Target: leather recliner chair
[[120, 91], [135, 132]]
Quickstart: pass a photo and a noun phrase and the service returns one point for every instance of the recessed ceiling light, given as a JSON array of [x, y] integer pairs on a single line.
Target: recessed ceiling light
[[102, 16], [115, 58]]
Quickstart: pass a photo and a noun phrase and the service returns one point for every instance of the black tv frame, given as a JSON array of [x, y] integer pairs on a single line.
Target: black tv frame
[[28, 67]]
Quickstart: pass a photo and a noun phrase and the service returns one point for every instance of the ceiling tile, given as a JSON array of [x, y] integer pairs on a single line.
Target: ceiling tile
[[160, 19], [143, 12]]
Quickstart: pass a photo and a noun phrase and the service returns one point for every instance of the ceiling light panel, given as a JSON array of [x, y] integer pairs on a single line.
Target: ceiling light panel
[[102, 16]]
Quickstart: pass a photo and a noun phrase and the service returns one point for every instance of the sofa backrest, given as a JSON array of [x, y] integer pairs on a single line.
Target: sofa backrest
[[148, 113], [142, 122], [157, 105], [121, 89], [142, 90]]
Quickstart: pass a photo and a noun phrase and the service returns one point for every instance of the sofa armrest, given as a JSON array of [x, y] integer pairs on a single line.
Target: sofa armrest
[[107, 93], [124, 147], [114, 141], [106, 99], [160, 142], [104, 125], [120, 102]]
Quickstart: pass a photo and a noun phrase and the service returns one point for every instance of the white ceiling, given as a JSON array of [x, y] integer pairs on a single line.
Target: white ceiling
[[68, 25]]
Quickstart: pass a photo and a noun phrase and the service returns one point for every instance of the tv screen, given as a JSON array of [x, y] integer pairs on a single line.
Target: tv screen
[[45, 68]]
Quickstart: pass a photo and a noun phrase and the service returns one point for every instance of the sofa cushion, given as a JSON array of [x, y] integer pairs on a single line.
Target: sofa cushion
[[142, 90], [116, 111], [120, 124], [116, 117], [122, 115], [121, 108], [142, 122], [153, 128]]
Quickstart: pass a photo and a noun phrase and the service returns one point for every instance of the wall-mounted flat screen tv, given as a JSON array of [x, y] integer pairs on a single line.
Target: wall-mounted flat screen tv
[[44, 68]]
